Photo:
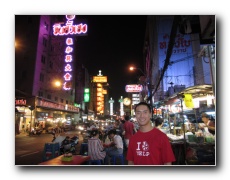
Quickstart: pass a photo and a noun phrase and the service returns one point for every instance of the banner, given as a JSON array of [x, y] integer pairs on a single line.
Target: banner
[[188, 101]]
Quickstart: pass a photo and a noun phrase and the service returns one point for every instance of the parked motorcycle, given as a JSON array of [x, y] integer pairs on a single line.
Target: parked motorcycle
[[67, 144], [35, 132]]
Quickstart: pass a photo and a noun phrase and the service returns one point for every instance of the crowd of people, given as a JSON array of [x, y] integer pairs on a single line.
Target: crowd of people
[[145, 144]]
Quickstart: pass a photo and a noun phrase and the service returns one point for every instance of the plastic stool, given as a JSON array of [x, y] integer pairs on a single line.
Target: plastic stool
[[51, 150], [114, 158], [96, 162]]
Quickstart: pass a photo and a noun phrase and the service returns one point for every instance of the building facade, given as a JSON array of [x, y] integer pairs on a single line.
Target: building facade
[[46, 73], [179, 53]]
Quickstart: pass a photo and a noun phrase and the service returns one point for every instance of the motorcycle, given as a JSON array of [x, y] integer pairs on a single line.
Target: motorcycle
[[35, 132], [67, 144]]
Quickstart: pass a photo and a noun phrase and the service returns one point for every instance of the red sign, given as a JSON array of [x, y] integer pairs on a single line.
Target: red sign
[[133, 88], [20, 102]]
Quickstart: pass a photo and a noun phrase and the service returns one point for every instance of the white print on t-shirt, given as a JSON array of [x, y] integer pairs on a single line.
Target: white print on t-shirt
[[142, 149]]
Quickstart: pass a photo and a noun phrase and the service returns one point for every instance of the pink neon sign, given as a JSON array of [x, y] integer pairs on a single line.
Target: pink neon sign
[[133, 88], [69, 29]]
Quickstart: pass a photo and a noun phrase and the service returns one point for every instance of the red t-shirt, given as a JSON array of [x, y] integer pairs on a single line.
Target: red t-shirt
[[150, 148], [128, 127]]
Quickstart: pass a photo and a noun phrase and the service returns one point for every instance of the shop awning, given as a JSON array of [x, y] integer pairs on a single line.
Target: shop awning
[[196, 91]]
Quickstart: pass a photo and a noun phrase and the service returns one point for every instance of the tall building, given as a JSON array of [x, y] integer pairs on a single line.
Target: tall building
[[45, 70], [99, 95], [175, 59]]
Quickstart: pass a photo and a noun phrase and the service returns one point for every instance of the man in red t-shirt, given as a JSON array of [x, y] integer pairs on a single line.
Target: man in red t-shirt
[[129, 130], [149, 146]]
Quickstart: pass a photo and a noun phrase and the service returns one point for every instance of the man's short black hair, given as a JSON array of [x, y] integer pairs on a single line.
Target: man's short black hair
[[158, 121], [145, 104], [112, 131], [204, 115], [127, 117]]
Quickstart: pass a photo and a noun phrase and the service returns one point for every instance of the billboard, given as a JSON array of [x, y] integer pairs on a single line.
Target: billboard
[[100, 79], [133, 88]]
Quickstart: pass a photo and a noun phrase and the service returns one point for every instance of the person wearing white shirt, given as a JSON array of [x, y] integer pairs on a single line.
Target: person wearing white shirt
[[115, 147]]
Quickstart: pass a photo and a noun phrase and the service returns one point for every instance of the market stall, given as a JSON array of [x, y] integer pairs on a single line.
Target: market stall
[[191, 144]]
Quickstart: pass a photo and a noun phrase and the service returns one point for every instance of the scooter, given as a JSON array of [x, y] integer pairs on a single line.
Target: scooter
[[68, 145], [33, 132]]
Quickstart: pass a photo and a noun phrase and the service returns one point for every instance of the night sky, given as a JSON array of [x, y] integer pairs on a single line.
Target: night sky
[[113, 43]]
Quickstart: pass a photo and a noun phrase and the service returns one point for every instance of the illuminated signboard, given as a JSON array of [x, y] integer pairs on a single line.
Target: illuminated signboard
[[101, 79], [104, 91], [69, 29], [133, 88], [86, 95], [135, 98]]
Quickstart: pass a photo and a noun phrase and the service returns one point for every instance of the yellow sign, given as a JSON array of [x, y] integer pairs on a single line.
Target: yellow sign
[[188, 101], [101, 79], [104, 91]]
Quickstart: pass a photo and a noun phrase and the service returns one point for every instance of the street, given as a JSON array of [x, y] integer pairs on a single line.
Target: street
[[29, 149]]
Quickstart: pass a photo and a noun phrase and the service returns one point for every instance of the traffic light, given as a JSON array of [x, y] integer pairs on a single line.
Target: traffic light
[[86, 95]]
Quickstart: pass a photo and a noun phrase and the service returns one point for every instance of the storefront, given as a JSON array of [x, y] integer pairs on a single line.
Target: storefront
[[37, 112], [183, 131]]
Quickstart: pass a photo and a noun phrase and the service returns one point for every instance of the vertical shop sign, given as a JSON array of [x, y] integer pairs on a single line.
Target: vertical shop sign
[[69, 29]]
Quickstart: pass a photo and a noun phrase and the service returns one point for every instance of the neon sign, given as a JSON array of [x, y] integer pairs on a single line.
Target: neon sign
[[133, 88], [69, 29]]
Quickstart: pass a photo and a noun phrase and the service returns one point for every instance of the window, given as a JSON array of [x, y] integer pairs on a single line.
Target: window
[[49, 96], [46, 26], [44, 41], [52, 48], [56, 98], [43, 59], [62, 100], [51, 65], [40, 93], [41, 77], [66, 101]]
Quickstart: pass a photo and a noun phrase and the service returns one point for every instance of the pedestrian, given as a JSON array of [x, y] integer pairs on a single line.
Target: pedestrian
[[149, 146], [115, 147], [207, 126], [53, 132], [158, 122], [27, 128], [121, 127], [23, 127], [129, 130], [95, 146]]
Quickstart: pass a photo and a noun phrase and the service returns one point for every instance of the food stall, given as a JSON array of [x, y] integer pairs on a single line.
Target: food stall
[[191, 145]]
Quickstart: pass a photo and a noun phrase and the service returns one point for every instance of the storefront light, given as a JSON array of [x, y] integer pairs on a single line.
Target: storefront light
[[209, 99], [196, 103]]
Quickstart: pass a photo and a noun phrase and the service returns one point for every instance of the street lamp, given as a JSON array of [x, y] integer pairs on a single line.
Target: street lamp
[[131, 68], [149, 85], [57, 83]]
